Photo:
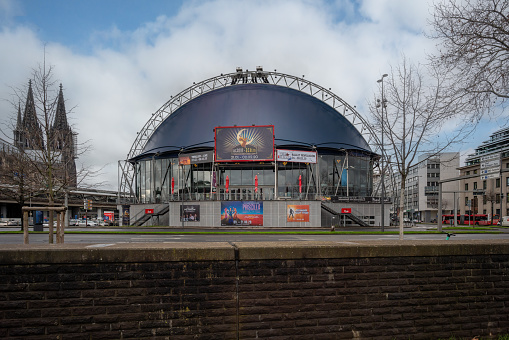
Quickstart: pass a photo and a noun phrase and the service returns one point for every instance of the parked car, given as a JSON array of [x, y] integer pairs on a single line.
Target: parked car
[[110, 222], [89, 223]]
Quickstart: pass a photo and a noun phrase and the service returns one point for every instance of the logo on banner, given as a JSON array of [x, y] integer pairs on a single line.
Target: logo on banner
[[246, 145]]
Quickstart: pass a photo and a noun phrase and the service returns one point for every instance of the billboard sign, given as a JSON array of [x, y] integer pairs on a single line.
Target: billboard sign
[[242, 213], [297, 213], [190, 213], [109, 215], [296, 156], [244, 143], [196, 158]]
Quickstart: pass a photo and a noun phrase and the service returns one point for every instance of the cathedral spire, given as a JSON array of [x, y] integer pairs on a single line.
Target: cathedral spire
[[31, 128], [19, 122], [60, 122], [18, 132]]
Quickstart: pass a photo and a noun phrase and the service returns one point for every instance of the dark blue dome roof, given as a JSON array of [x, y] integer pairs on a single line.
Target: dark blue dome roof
[[299, 119]]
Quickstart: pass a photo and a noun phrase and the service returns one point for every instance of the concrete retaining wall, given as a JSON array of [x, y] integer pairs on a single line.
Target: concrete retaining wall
[[305, 290]]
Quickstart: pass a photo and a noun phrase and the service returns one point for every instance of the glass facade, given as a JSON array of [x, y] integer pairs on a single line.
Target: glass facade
[[339, 175]]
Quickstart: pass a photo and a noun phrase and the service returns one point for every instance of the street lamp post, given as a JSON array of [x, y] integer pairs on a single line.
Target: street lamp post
[[181, 187], [383, 104]]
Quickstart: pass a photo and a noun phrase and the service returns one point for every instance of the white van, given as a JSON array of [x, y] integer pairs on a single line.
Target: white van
[[504, 222]]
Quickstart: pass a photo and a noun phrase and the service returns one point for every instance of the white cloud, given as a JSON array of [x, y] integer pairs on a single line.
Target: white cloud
[[130, 75]]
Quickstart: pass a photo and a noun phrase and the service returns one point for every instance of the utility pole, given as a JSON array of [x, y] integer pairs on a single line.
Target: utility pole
[[383, 104]]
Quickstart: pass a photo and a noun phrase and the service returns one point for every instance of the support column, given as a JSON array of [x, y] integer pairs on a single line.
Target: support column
[[25, 227], [439, 217]]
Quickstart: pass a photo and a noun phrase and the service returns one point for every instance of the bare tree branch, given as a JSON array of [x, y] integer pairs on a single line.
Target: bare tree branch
[[473, 39]]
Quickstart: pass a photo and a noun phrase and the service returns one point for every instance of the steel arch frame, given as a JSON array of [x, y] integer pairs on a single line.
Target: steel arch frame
[[126, 169]]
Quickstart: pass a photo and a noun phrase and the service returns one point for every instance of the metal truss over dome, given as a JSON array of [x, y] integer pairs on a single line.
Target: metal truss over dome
[[235, 79]]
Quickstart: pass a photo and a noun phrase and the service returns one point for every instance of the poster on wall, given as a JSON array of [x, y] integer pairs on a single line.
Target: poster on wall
[[190, 213], [244, 143], [126, 220], [109, 215], [242, 213], [297, 213]]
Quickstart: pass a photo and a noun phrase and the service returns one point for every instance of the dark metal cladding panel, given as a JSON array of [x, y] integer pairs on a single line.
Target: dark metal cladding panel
[[298, 118]]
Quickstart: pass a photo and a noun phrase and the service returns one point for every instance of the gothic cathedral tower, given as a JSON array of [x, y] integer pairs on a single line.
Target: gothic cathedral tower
[[61, 139]]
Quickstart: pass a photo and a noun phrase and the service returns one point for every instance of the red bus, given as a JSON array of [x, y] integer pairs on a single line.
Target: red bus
[[449, 219], [478, 219]]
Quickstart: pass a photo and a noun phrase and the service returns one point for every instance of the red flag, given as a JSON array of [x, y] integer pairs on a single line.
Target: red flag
[[300, 183], [256, 183], [172, 185], [227, 185]]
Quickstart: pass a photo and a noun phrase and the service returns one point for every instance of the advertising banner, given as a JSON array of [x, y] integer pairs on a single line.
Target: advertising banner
[[244, 143], [297, 213], [196, 158], [242, 213], [296, 156], [126, 214], [190, 213], [109, 215]]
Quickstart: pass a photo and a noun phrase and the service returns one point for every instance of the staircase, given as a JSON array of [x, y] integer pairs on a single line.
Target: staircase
[[145, 217], [352, 217]]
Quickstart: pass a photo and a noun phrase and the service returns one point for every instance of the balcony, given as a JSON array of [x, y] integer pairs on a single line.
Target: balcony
[[430, 191]]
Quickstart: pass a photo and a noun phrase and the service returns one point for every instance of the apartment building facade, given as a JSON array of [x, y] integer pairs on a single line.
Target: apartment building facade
[[421, 188], [486, 191]]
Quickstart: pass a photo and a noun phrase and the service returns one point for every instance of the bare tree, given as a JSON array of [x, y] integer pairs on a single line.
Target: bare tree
[[473, 38], [492, 197], [18, 180], [411, 113], [45, 145]]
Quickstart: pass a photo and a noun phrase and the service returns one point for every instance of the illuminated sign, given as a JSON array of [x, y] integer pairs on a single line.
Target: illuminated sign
[[244, 143]]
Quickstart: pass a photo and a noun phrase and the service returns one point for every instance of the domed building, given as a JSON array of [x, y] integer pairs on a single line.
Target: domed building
[[253, 149]]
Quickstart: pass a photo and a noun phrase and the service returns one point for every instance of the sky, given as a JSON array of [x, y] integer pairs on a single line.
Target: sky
[[119, 61]]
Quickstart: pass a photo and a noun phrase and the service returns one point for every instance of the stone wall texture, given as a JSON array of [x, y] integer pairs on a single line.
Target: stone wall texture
[[301, 290]]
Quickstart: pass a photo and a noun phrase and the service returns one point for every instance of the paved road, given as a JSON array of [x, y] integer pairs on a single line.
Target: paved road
[[171, 238]]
